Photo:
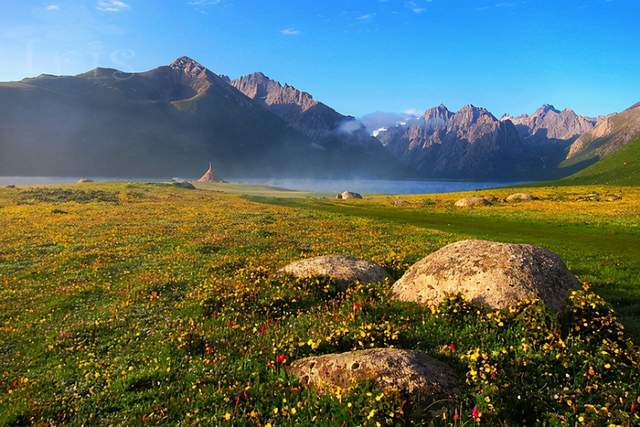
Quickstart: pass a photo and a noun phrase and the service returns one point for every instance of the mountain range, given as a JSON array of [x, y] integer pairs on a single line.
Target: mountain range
[[549, 124], [171, 120]]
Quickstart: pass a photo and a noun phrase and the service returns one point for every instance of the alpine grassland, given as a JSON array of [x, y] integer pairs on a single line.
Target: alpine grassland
[[134, 304]]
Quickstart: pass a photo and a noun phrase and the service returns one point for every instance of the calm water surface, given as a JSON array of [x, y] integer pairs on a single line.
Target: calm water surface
[[377, 186], [367, 186]]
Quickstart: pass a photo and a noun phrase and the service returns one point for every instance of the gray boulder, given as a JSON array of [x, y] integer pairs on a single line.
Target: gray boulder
[[341, 268], [346, 195], [472, 202], [391, 370], [519, 197], [495, 274]]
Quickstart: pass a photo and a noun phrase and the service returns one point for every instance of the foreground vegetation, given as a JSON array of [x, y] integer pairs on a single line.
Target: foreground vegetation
[[134, 304]]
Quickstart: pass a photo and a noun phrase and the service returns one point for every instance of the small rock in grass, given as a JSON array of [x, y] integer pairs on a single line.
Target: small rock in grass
[[471, 202], [341, 268], [519, 197], [346, 195]]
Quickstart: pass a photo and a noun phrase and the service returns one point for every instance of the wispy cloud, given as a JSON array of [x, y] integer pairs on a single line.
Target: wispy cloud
[[112, 6], [414, 7], [204, 2], [52, 7], [366, 17], [290, 31]]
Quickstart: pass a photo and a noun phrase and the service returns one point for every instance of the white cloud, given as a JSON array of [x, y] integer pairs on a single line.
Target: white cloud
[[290, 31], [204, 2], [415, 7], [112, 6], [412, 112], [53, 7], [365, 17]]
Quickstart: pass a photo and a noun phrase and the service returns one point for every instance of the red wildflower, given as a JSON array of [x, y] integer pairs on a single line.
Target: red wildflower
[[356, 307], [632, 410], [263, 329], [456, 416], [281, 358], [452, 347], [475, 413]]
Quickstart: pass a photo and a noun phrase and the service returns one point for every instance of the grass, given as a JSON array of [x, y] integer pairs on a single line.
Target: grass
[[157, 305], [587, 226], [619, 168]]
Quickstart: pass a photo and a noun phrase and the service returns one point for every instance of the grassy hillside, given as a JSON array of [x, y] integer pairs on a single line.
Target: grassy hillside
[[131, 304], [619, 168]]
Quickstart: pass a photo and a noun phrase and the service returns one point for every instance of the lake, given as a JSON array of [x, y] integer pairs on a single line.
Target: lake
[[377, 186], [368, 186]]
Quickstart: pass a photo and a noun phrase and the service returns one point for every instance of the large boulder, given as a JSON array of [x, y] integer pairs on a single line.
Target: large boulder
[[346, 195], [496, 274], [472, 202], [412, 372], [341, 268], [519, 197]]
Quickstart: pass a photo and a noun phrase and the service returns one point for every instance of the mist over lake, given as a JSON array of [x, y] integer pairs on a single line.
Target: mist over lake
[[375, 186], [367, 186]]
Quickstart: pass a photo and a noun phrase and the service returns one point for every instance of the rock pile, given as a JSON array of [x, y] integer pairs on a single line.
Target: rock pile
[[209, 176], [495, 274]]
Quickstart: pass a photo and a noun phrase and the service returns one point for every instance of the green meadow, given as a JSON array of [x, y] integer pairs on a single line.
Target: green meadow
[[133, 304]]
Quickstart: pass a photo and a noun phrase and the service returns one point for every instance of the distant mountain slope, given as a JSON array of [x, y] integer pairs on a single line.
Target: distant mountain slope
[[294, 106], [470, 143], [548, 123], [611, 133], [166, 121], [322, 124], [619, 168]]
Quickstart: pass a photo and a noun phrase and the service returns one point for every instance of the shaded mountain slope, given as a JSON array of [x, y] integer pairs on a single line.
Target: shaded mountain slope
[[166, 121]]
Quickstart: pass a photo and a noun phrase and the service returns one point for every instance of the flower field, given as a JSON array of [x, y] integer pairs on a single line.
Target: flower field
[[131, 304]]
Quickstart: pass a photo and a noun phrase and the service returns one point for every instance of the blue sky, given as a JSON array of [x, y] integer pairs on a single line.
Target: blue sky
[[358, 56]]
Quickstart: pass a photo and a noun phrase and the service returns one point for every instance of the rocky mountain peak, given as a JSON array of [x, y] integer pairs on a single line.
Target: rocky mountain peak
[[546, 108], [188, 66], [634, 106], [259, 86], [470, 114], [437, 118], [549, 123]]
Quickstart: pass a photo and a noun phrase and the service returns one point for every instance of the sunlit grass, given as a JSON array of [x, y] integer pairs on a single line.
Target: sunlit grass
[[135, 303]]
